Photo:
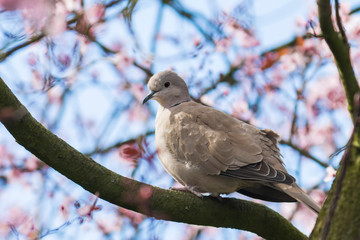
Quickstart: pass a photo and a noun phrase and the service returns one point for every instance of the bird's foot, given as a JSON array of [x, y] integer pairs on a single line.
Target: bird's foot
[[187, 189], [217, 197]]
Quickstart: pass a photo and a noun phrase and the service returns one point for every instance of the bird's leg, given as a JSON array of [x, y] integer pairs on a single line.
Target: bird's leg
[[187, 189]]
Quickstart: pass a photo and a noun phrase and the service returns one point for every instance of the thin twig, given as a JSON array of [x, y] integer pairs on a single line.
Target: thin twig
[[33, 39], [303, 152], [339, 22], [41, 35], [116, 145]]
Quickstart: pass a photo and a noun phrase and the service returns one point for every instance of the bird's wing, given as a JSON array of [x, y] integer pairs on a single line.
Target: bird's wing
[[223, 145]]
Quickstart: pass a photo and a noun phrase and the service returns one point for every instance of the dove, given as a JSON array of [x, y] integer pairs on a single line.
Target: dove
[[208, 151]]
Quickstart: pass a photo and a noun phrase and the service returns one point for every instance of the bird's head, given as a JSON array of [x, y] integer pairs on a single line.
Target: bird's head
[[168, 89]]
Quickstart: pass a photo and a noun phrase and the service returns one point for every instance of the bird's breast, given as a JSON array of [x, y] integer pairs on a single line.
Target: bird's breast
[[167, 139]]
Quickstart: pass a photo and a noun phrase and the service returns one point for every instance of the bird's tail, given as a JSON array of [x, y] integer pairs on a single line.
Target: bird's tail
[[296, 192]]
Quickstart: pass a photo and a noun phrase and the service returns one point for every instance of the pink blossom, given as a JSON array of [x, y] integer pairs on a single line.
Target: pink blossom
[[14, 175], [330, 174], [54, 95], [301, 23], [108, 225], [207, 100], [239, 33], [64, 207], [251, 64], [318, 196], [64, 59], [225, 91], [247, 40], [241, 110], [135, 218], [117, 46], [4, 229], [191, 231], [130, 152], [72, 5], [82, 211], [122, 60], [277, 76], [223, 44], [326, 91], [138, 91], [6, 158], [83, 42], [95, 13], [37, 80], [138, 112], [196, 42], [291, 62], [22, 222], [306, 217], [345, 9], [32, 60], [87, 210], [36, 14], [56, 24], [11, 5], [32, 163], [317, 135]]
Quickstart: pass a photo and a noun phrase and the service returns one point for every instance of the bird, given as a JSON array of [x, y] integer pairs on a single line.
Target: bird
[[211, 152]]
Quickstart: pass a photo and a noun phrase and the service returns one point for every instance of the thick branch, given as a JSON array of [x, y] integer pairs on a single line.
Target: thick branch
[[339, 217], [128, 193], [340, 49]]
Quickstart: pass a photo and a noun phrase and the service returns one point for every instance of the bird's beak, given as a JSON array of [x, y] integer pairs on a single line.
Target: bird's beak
[[148, 97]]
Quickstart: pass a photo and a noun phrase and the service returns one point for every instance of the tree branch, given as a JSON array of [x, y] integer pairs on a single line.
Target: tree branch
[[339, 216], [340, 50], [339, 22], [32, 40], [117, 145], [293, 42], [128, 193], [303, 152]]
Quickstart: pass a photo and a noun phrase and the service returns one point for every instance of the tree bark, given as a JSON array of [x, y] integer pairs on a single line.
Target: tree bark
[[140, 197], [339, 217]]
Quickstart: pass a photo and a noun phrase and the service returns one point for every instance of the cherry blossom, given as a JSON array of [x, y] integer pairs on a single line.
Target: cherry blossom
[[130, 152]]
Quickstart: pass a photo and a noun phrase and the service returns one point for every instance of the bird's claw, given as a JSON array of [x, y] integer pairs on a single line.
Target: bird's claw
[[187, 189], [217, 197]]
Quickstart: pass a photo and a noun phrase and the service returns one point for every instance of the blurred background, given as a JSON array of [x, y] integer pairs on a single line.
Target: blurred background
[[81, 67]]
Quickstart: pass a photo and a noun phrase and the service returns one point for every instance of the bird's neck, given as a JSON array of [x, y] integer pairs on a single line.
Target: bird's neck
[[177, 104], [176, 100]]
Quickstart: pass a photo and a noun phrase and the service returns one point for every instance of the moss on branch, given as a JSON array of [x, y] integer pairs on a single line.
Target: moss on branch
[[339, 218]]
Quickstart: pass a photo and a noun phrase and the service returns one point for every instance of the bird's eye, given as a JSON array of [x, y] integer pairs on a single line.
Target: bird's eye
[[167, 84]]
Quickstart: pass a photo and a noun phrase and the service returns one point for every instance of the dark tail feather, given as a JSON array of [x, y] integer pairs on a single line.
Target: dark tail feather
[[292, 193], [267, 194], [296, 192]]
